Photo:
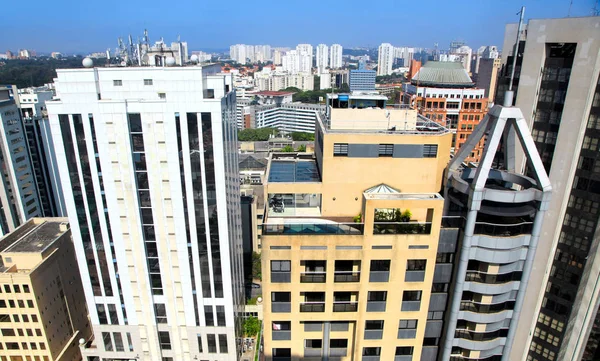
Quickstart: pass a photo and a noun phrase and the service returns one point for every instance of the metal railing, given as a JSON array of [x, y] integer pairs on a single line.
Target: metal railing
[[313, 277], [480, 336], [401, 228], [346, 276], [345, 306], [483, 308], [481, 277], [503, 230], [314, 228], [312, 307]]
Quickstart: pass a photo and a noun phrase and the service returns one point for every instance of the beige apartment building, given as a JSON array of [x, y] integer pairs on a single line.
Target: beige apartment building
[[42, 307], [347, 271]]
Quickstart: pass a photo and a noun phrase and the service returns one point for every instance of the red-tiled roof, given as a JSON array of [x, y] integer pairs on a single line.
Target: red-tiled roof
[[274, 93]]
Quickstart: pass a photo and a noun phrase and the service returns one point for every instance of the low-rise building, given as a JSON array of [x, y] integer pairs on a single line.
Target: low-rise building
[[42, 305]]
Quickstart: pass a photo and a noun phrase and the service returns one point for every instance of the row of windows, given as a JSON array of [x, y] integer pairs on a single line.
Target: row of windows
[[286, 297], [12, 304], [452, 96], [385, 150], [22, 346], [24, 318], [27, 358], [21, 332], [118, 82], [16, 288], [286, 353]]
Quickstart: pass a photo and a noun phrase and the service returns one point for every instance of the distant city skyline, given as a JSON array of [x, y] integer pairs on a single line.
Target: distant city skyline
[[71, 27]]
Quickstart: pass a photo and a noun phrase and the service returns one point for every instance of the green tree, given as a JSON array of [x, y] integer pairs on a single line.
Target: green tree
[[287, 149], [302, 148], [344, 88], [251, 326], [317, 82], [256, 266], [303, 136], [253, 135]]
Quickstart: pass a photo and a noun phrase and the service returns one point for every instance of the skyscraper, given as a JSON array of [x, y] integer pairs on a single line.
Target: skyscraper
[[385, 59], [305, 57], [562, 102], [19, 197], [322, 58], [150, 176], [335, 56]]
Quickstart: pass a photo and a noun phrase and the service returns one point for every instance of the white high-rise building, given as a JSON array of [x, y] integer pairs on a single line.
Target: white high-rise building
[[385, 59], [335, 56], [148, 161], [291, 62], [322, 58], [305, 53]]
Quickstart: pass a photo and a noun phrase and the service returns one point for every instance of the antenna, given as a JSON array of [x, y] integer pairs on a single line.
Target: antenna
[[508, 97], [570, 6]]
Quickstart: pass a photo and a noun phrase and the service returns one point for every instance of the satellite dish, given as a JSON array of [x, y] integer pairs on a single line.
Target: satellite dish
[[194, 58], [87, 63], [82, 341], [170, 61], [123, 63]]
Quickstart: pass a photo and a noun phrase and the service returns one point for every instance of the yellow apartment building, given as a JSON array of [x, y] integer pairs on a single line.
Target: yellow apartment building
[[350, 235], [42, 307]]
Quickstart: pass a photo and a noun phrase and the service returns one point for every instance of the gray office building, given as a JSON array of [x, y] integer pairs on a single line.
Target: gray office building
[[362, 80]]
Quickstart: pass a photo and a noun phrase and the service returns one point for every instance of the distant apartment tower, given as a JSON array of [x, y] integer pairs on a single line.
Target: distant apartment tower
[[335, 56], [322, 58], [150, 175], [19, 197], [558, 87], [444, 92], [42, 306], [486, 77], [347, 254], [385, 59]]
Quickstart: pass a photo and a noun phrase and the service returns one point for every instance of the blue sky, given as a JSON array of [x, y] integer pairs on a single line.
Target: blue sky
[[83, 26]]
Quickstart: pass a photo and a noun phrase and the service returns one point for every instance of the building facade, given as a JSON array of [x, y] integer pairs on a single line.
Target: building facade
[[385, 59], [347, 255], [19, 196], [322, 58], [335, 56], [362, 80], [148, 161], [42, 306], [557, 87]]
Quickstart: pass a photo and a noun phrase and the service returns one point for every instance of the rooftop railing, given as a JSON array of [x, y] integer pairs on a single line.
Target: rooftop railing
[[313, 228], [402, 228]]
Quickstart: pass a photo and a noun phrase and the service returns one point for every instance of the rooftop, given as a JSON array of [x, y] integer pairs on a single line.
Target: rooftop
[[36, 235], [274, 93], [442, 74]]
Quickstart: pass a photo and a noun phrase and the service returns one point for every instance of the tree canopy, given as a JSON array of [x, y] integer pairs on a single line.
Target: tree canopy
[[251, 326], [303, 136], [36, 71], [253, 135]]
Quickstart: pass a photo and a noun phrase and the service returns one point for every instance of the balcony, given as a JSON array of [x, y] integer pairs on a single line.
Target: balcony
[[346, 276], [483, 308], [373, 334], [379, 276], [370, 358], [312, 228], [312, 307], [313, 277], [503, 230], [345, 306], [407, 333], [313, 352], [414, 276], [481, 277], [376, 306], [281, 307], [338, 352], [408, 306], [282, 335], [402, 228], [281, 277], [403, 358]]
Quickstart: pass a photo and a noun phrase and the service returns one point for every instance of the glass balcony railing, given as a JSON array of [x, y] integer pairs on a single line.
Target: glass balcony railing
[[313, 277], [503, 230], [481, 277], [346, 276], [401, 228], [349, 306], [483, 308], [312, 307], [313, 228]]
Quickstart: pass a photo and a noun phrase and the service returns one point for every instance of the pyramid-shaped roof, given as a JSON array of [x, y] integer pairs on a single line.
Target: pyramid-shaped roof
[[382, 189]]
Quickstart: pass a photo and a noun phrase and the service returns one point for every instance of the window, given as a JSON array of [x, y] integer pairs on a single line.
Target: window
[[160, 312], [371, 351], [281, 325], [416, 264], [118, 82], [404, 350], [439, 287], [444, 258], [17, 289], [280, 271], [281, 297], [411, 296], [220, 316], [408, 324], [430, 150], [386, 150], [208, 315], [380, 265], [30, 303], [7, 332], [118, 342], [162, 95], [374, 325], [340, 149], [313, 343], [338, 343], [212, 343], [377, 296], [282, 352], [164, 339], [147, 81], [223, 344], [112, 312], [200, 343], [107, 341]]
